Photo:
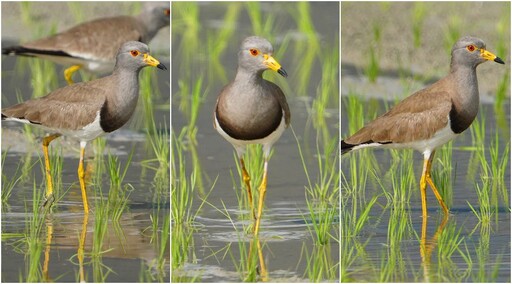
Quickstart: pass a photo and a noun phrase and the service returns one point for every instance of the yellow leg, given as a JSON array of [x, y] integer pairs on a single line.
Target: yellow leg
[[81, 177], [247, 181], [263, 267], [68, 73], [423, 189], [49, 183], [434, 188], [262, 191]]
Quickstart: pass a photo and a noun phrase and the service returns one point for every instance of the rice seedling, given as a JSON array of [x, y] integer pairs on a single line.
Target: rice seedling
[[118, 195], [160, 164], [32, 244], [478, 134], [182, 186], [149, 93], [9, 183], [451, 242], [453, 32], [418, 16], [186, 27], [502, 28], [247, 263], [324, 97], [485, 212], [306, 60], [260, 27], [321, 266], [393, 266], [373, 67], [218, 42], [483, 271], [75, 8], [498, 169], [100, 271], [501, 97], [160, 231], [402, 179]]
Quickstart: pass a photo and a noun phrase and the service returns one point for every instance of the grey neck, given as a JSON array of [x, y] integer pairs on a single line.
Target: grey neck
[[124, 100], [466, 82], [248, 77]]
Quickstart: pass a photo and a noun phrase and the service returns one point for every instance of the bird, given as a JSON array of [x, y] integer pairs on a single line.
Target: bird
[[86, 110], [252, 110], [432, 116], [93, 45]]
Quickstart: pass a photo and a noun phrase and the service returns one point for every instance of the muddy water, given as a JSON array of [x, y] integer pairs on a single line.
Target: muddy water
[[128, 250], [284, 230]]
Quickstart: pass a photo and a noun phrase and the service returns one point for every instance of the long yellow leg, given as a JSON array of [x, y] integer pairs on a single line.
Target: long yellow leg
[[49, 183], [68, 73], [247, 181], [81, 177], [434, 188], [262, 191]]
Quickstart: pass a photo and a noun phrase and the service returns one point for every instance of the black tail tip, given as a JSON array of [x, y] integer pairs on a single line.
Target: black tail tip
[[9, 50], [345, 147], [15, 50]]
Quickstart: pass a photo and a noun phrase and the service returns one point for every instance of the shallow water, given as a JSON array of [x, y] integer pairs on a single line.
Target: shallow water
[[284, 232], [388, 247], [491, 242], [129, 251]]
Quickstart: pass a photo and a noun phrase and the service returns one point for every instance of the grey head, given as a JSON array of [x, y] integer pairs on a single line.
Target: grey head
[[154, 16], [470, 51], [134, 55], [255, 56]]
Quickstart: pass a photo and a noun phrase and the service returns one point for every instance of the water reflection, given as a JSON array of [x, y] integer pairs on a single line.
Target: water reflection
[[213, 214], [125, 235], [428, 246]]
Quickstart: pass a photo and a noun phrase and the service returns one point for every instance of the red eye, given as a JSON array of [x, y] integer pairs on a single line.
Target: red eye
[[471, 48], [254, 52], [134, 53], [167, 12]]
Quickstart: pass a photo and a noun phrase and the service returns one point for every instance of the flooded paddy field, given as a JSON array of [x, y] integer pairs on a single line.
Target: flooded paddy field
[[211, 226], [125, 237], [384, 237]]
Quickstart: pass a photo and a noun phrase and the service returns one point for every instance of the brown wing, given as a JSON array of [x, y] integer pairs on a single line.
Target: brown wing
[[96, 39], [80, 101], [417, 117]]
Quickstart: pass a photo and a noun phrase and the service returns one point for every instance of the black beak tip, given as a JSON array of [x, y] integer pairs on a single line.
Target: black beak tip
[[498, 60], [282, 72], [161, 66]]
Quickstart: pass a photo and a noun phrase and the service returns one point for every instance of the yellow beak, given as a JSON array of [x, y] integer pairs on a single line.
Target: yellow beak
[[490, 56], [272, 64], [151, 61]]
